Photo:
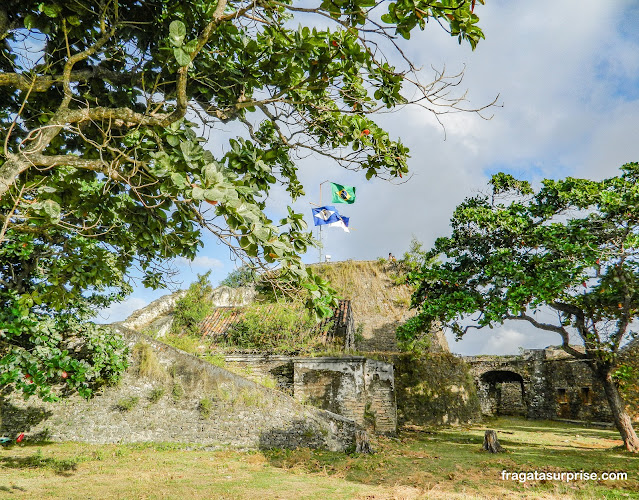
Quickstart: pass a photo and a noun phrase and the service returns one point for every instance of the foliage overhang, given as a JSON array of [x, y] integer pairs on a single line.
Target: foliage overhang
[[104, 164], [571, 247]]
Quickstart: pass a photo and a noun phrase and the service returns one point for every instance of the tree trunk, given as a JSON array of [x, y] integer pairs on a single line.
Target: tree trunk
[[618, 408], [491, 443], [362, 444]]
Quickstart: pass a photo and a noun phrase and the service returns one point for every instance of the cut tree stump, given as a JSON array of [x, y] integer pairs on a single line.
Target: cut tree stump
[[491, 443], [362, 444]]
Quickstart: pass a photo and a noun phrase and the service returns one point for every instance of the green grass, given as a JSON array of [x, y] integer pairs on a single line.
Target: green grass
[[148, 364], [156, 394], [127, 404], [436, 463]]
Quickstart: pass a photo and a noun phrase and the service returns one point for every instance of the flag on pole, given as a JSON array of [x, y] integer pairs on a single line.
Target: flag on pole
[[342, 194], [325, 215], [341, 223]]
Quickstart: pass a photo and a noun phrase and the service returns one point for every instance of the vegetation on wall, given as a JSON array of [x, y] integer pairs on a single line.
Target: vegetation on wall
[[243, 276], [433, 389], [627, 376], [379, 296], [413, 259], [280, 327], [103, 177], [193, 307], [345, 276]]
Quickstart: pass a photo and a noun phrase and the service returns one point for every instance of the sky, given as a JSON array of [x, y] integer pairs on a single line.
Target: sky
[[566, 75]]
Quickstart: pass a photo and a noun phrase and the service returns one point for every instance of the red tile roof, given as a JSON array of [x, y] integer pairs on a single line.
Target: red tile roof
[[339, 318], [220, 321]]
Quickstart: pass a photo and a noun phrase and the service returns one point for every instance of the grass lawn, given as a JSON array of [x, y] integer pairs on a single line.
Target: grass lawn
[[422, 463]]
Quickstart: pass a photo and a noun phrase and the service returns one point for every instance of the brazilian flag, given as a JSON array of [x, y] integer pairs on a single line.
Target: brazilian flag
[[342, 194]]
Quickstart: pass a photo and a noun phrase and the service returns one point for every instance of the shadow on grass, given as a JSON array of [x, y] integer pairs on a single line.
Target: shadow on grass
[[427, 457], [12, 489], [554, 427], [571, 432], [523, 446], [37, 461]]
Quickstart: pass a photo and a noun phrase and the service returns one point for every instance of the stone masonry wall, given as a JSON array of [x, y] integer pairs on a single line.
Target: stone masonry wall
[[264, 366], [379, 382], [356, 387], [179, 398], [574, 393], [551, 385], [434, 389]]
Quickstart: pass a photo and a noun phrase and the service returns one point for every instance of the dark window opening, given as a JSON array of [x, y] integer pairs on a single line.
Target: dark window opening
[[562, 397]]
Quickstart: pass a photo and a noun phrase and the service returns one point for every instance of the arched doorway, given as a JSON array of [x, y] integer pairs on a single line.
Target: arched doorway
[[501, 392]]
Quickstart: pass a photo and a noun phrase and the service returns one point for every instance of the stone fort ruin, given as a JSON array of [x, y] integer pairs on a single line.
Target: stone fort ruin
[[313, 401]]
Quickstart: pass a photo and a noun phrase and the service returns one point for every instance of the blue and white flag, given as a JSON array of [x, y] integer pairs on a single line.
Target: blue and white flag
[[342, 223], [325, 215]]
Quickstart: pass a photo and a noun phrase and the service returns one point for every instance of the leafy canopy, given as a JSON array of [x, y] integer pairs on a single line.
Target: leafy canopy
[[193, 307], [111, 156], [243, 276], [571, 246]]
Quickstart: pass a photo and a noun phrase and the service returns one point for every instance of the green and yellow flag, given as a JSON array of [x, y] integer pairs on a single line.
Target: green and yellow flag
[[342, 194]]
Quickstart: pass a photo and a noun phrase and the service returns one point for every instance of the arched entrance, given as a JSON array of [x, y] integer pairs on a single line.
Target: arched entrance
[[501, 392]]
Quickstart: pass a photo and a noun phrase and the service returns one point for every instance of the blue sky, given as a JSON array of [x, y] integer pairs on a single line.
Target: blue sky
[[567, 76]]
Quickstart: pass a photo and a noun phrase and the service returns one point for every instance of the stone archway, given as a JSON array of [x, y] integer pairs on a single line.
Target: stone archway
[[502, 392]]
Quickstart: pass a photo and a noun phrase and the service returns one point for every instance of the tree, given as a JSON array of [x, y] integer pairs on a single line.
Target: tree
[[241, 277], [572, 247], [193, 307], [111, 158]]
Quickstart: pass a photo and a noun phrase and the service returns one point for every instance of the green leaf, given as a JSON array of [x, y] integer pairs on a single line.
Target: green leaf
[[30, 21], [51, 10], [179, 180], [213, 194], [198, 193], [177, 32], [261, 233], [190, 46], [52, 209], [181, 56]]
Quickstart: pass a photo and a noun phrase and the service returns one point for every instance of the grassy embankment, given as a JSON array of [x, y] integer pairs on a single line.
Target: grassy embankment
[[427, 463]]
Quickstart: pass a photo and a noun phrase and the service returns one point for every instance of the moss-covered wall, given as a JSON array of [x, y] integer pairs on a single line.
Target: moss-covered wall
[[175, 397], [434, 389]]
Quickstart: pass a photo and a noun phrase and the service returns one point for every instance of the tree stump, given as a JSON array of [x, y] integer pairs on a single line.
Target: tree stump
[[491, 443], [362, 444]]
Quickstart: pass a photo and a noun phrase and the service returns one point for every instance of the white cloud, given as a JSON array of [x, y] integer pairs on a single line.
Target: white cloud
[[568, 79], [507, 339], [120, 311], [201, 261]]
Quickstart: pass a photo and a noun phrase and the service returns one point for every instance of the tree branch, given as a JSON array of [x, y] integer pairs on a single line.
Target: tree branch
[[565, 336], [42, 83]]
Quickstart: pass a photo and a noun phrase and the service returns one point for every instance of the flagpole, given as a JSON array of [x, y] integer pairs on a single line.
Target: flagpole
[[320, 227], [320, 190]]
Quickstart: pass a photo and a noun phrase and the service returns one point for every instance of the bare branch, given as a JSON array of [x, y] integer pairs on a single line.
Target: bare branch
[[565, 336], [42, 83]]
